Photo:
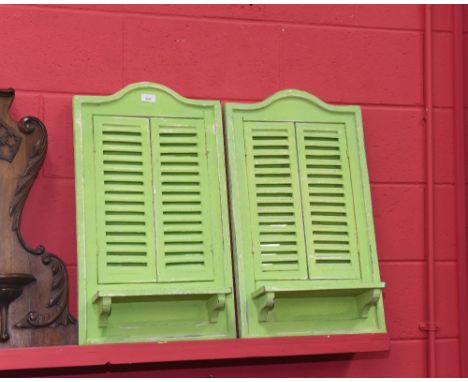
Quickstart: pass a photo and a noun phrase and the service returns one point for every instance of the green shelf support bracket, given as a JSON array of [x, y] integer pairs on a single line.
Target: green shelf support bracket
[[105, 309], [215, 304], [265, 302], [366, 300]]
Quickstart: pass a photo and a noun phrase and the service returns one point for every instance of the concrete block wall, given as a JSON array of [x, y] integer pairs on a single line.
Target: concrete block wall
[[367, 55]]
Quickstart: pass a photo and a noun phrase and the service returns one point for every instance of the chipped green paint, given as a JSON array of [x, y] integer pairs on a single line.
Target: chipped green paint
[[154, 260], [304, 242]]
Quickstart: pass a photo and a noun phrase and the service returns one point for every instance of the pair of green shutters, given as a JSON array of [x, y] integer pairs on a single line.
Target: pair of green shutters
[[154, 229], [152, 190]]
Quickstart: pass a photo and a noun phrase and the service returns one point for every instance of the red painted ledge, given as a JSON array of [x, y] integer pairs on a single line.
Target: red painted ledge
[[115, 354]]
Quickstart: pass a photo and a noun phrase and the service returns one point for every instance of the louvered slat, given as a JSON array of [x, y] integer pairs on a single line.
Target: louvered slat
[[274, 195], [126, 250], [328, 206], [182, 200]]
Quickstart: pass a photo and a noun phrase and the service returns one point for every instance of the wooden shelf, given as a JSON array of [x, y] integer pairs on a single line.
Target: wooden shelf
[[137, 353]]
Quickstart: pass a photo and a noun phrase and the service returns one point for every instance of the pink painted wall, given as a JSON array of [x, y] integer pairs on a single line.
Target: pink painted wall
[[367, 55]]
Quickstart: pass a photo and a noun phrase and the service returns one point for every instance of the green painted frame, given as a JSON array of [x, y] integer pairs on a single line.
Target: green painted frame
[[98, 302], [256, 299]]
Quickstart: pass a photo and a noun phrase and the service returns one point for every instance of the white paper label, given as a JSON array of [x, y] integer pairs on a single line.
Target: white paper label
[[151, 98]]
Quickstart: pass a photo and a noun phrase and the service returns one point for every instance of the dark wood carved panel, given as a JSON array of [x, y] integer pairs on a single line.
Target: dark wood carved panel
[[33, 282]]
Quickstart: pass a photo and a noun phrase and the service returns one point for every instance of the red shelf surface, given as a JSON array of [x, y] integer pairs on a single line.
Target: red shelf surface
[[135, 353]]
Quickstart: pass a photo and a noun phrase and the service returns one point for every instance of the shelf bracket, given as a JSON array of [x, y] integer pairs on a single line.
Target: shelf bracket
[[366, 300], [215, 304], [105, 309], [265, 303]]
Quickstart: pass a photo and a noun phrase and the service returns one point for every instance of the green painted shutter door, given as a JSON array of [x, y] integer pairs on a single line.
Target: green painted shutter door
[[182, 194], [126, 250], [274, 201], [328, 205]]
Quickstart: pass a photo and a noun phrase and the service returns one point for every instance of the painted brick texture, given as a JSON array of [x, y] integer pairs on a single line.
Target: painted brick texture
[[367, 55]]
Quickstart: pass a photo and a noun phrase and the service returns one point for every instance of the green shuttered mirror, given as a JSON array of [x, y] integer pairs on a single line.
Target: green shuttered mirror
[[301, 218], [153, 236]]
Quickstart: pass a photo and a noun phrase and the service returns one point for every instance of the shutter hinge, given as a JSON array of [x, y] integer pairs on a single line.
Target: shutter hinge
[[429, 326]]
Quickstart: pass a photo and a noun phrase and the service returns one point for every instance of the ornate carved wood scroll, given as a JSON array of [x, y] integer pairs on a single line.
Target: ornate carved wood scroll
[[33, 282]]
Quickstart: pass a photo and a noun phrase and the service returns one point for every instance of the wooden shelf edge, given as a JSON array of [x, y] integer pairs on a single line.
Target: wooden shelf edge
[[137, 353]]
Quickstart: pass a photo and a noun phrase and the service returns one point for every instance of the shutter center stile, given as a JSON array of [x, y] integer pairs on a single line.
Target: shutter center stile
[[153, 205], [301, 181]]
